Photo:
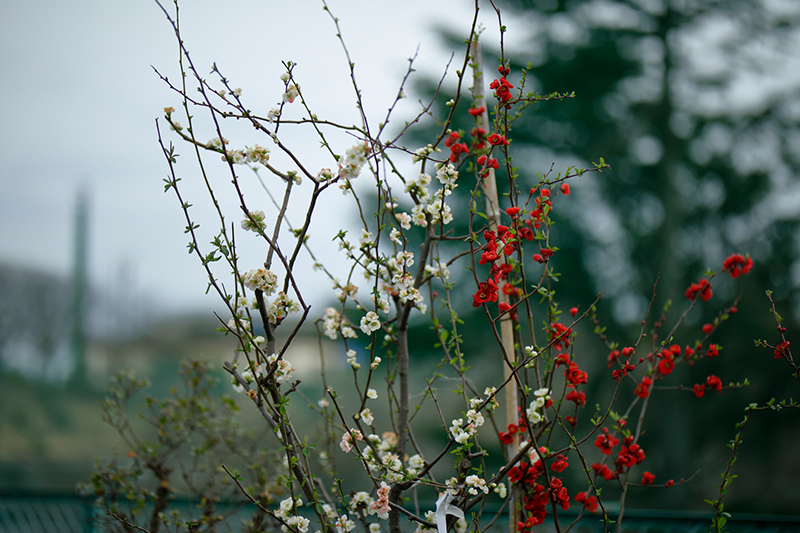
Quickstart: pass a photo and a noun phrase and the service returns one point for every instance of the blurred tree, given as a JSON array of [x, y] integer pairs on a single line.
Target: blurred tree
[[696, 106]]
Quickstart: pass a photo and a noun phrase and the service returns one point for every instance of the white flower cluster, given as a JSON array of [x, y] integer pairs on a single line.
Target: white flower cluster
[[250, 154], [383, 304], [325, 174], [281, 307], [360, 502], [424, 152], [255, 222], [425, 206], [366, 416], [333, 323], [533, 411], [532, 354], [370, 323], [475, 485], [352, 361], [461, 435], [249, 376], [493, 404], [439, 271], [387, 464], [404, 219], [354, 159], [421, 528], [344, 524], [261, 279], [297, 522], [284, 370]]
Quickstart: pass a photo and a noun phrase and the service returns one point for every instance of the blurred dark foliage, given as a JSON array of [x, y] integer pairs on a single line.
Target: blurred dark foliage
[[694, 107]]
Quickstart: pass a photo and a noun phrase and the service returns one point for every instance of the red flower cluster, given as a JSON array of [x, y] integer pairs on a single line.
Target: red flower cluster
[[559, 335], [575, 376], [578, 397], [781, 349], [507, 437], [736, 265], [560, 464], [699, 390], [713, 350], [604, 471], [643, 388], [590, 502], [565, 189], [703, 287], [606, 442], [714, 382], [666, 365], [535, 495], [495, 139], [489, 162], [456, 148], [489, 254], [487, 292], [630, 455], [476, 111], [502, 89], [647, 478]]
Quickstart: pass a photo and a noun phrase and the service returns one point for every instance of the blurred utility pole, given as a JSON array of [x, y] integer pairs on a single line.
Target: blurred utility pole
[[77, 328]]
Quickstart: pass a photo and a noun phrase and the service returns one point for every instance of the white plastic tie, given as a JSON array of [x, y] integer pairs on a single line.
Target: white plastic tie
[[444, 508]]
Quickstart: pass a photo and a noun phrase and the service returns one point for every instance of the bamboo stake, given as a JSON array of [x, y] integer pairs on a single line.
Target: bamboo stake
[[506, 324]]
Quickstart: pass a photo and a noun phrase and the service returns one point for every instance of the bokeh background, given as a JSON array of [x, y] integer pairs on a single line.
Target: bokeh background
[[696, 105]]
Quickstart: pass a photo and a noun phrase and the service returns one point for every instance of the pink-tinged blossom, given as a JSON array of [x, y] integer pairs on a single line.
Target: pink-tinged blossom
[[347, 439], [381, 505]]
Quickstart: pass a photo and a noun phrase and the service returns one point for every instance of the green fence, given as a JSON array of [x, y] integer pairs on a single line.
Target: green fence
[[46, 513]]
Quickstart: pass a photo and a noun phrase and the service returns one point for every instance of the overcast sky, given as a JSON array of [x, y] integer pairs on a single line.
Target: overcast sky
[[80, 98]]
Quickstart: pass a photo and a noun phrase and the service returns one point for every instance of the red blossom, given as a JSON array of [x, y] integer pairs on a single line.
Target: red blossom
[[502, 89], [606, 442], [573, 312], [506, 438], [560, 464], [647, 478], [628, 352], [669, 483], [565, 189], [476, 111], [699, 390], [666, 366], [643, 388], [604, 471], [612, 357], [590, 502], [781, 349], [487, 292], [736, 265], [495, 139], [714, 382], [539, 259], [713, 350], [578, 397], [479, 133], [702, 287], [708, 328]]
